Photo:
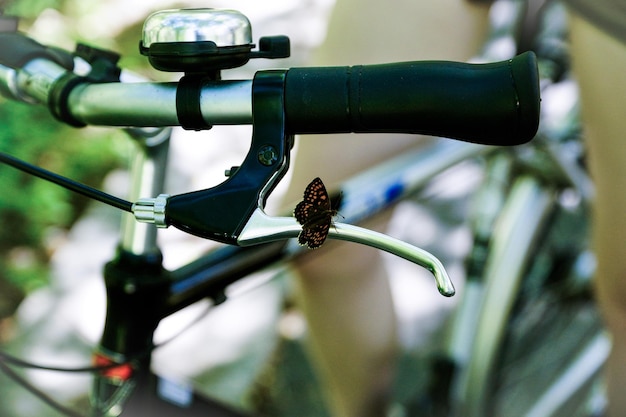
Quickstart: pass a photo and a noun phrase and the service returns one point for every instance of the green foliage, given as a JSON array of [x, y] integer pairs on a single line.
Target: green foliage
[[31, 210], [31, 207], [30, 8]]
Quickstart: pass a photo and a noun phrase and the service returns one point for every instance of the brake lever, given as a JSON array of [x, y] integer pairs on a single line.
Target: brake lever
[[262, 228], [232, 212]]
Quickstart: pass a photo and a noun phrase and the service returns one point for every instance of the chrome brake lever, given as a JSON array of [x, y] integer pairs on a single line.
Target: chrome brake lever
[[262, 228]]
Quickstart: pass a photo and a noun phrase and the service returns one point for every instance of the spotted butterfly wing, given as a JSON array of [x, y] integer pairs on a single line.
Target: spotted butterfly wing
[[315, 215]]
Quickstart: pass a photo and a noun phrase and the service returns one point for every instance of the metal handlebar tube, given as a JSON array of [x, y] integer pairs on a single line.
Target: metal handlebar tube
[[32, 82], [154, 104], [496, 104]]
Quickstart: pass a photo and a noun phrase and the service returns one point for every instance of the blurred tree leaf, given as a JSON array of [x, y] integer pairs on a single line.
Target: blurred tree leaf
[[30, 205], [30, 8]]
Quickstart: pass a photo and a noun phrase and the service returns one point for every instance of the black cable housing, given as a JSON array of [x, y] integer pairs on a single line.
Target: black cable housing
[[67, 183]]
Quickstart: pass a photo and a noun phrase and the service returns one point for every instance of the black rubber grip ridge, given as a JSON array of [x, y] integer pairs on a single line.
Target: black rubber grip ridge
[[495, 104]]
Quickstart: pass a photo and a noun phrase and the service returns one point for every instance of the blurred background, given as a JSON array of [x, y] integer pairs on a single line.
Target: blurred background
[[54, 244]]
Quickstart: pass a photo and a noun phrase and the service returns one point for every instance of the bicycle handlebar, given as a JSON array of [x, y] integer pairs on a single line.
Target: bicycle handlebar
[[496, 104]]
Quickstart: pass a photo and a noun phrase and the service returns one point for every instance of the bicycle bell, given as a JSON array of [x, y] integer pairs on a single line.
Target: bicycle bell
[[204, 40]]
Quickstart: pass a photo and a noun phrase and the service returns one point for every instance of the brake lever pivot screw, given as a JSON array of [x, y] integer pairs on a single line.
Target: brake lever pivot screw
[[268, 155]]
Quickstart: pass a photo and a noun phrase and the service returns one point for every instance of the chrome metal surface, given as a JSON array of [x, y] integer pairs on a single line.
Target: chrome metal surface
[[154, 104], [263, 228], [224, 27], [8, 83], [147, 178], [151, 210], [32, 83]]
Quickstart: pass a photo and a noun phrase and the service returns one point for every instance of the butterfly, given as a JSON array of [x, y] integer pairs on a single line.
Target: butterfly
[[315, 214]]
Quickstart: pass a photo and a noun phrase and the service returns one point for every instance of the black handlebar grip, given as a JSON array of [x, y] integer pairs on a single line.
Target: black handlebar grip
[[495, 104], [17, 49]]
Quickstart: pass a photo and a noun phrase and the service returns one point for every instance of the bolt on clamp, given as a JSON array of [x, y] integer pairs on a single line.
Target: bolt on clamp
[[151, 210]]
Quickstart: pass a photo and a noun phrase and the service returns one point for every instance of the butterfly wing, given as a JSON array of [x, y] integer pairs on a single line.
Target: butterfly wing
[[303, 211], [314, 236], [314, 213], [315, 201]]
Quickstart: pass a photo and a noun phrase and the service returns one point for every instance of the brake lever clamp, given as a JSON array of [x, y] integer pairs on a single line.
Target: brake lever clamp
[[262, 228], [221, 212]]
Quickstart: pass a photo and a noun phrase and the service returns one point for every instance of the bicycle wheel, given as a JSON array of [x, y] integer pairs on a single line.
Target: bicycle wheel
[[550, 358], [539, 345]]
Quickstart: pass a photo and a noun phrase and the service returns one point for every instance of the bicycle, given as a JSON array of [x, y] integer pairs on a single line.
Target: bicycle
[[140, 238]]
